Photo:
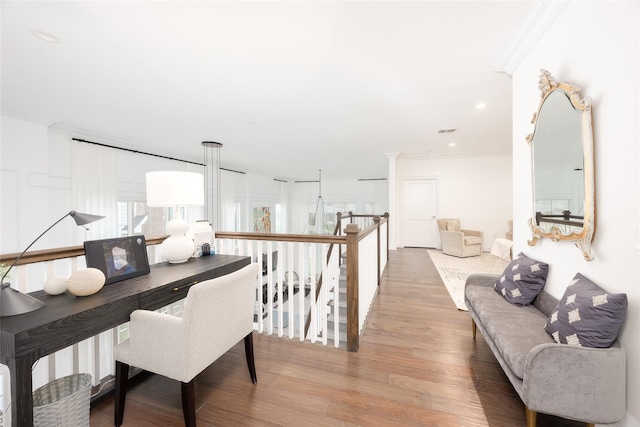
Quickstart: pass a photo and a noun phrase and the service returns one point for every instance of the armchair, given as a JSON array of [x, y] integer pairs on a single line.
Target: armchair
[[218, 313], [509, 233], [459, 242]]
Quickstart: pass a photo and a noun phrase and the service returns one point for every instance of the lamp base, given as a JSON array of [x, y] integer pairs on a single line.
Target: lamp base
[[14, 302], [177, 249]]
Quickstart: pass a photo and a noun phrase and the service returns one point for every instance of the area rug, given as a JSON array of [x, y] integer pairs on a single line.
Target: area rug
[[454, 271]]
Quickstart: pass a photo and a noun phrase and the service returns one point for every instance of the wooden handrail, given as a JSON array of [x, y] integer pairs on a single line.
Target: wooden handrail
[[57, 253], [353, 341], [361, 235], [78, 250], [279, 237]]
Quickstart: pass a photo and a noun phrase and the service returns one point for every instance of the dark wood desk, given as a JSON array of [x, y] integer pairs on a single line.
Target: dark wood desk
[[67, 319]]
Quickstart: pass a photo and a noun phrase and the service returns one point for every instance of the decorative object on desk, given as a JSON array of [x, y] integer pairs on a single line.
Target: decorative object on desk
[[14, 302], [203, 237], [85, 282], [175, 189], [119, 258], [55, 285]]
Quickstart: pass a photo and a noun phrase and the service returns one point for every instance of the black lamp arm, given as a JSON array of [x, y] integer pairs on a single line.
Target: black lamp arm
[[4, 285]]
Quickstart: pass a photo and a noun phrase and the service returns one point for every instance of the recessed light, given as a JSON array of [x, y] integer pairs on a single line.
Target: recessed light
[[452, 144], [43, 35], [481, 105]]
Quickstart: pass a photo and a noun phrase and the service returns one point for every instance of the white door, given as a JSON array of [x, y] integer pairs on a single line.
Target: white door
[[419, 227]]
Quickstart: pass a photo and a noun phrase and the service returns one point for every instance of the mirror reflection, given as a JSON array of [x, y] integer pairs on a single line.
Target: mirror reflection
[[558, 166]]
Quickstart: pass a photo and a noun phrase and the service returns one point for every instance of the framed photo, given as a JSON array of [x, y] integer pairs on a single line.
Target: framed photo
[[261, 220], [119, 258]]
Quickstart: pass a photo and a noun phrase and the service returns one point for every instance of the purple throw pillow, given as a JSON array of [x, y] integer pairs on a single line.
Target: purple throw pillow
[[522, 280], [587, 316]]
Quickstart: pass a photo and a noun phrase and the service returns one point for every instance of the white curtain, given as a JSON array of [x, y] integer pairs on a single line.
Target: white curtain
[[93, 188]]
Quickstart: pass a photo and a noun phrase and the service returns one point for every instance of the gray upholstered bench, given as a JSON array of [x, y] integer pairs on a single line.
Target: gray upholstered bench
[[578, 383]]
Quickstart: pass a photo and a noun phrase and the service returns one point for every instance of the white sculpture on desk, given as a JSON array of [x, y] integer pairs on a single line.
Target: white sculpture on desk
[[81, 283], [55, 285]]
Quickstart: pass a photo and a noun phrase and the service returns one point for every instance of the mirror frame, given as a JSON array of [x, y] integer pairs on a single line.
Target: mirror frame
[[547, 85]]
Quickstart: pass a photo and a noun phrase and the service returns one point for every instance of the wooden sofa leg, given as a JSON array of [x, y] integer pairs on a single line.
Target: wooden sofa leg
[[531, 417], [591, 425], [473, 328]]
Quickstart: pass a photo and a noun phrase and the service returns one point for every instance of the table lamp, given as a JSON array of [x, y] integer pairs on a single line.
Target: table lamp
[[14, 302], [175, 189]]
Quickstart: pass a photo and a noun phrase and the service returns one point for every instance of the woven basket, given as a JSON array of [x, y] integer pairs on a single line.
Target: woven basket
[[63, 402]]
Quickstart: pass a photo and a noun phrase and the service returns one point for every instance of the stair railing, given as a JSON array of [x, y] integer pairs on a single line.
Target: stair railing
[[353, 227]]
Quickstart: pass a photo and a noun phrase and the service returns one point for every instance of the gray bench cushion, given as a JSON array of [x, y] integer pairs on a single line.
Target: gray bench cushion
[[514, 330]]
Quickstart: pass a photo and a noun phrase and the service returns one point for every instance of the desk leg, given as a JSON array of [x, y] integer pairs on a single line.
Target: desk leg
[[21, 394]]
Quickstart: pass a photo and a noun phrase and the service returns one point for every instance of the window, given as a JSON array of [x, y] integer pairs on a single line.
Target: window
[[551, 206]]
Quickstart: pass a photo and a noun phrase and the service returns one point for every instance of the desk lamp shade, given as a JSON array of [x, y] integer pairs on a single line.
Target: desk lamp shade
[[14, 302], [175, 189]]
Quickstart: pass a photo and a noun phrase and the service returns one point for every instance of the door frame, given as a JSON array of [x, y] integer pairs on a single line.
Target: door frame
[[401, 200]]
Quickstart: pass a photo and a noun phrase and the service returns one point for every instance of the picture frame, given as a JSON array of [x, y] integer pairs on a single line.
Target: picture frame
[[119, 258]]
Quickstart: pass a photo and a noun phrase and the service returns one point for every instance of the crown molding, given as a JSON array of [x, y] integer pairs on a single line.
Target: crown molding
[[540, 18]]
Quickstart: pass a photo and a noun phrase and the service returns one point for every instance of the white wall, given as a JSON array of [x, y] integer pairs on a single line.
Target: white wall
[[337, 193], [36, 182], [595, 46], [24, 167], [477, 190], [36, 172]]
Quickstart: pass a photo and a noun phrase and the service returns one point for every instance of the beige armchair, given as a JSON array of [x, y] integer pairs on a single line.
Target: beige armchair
[[459, 242], [218, 313]]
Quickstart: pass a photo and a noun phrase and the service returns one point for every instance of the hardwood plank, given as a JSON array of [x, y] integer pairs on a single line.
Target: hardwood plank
[[417, 365]]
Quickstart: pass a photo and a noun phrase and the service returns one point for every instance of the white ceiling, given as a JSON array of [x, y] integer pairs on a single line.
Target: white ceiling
[[287, 87]]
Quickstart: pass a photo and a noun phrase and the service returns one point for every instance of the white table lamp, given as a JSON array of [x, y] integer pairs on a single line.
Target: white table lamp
[[172, 188]]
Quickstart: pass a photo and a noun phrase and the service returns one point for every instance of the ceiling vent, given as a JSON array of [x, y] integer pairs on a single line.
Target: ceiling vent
[[446, 130]]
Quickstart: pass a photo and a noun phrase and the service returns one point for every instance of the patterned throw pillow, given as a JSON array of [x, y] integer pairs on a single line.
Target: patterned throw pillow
[[587, 316], [522, 280]]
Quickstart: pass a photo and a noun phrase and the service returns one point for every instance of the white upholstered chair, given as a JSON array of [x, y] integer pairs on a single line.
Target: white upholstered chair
[[459, 242], [509, 233], [218, 313]]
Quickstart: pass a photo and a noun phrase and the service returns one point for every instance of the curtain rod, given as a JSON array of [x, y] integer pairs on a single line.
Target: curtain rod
[[231, 170], [137, 152]]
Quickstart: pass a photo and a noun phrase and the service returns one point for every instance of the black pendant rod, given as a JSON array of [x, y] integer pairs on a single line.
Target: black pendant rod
[[137, 152]]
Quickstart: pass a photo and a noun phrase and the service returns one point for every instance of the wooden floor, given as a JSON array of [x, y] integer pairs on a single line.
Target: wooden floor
[[417, 366]]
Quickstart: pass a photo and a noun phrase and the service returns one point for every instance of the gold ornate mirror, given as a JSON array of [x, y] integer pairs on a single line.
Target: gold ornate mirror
[[562, 166]]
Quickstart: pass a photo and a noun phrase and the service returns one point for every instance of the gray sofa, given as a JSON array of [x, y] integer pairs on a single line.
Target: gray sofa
[[578, 383]]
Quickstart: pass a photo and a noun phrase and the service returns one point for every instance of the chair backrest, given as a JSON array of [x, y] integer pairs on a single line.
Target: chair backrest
[[448, 224], [218, 313]]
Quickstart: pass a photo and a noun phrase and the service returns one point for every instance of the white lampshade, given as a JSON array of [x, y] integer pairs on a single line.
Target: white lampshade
[[173, 188]]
